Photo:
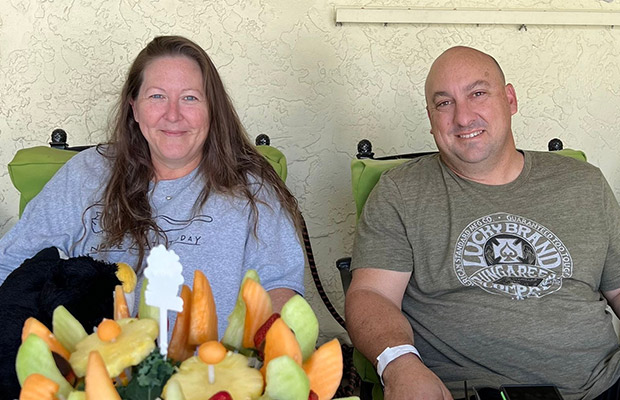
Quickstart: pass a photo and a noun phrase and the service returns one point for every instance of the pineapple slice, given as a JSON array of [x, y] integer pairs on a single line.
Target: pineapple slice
[[127, 276], [232, 374], [134, 344]]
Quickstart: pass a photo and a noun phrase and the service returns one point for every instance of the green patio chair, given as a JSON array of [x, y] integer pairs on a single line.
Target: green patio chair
[[32, 167]]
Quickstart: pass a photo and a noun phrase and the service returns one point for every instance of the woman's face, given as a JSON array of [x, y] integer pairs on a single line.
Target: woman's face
[[172, 112]]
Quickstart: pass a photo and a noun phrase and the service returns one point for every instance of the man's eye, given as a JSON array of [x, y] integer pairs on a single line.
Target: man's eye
[[443, 104], [478, 93]]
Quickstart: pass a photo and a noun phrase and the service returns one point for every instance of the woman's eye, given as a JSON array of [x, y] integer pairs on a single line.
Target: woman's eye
[[190, 98], [156, 96]]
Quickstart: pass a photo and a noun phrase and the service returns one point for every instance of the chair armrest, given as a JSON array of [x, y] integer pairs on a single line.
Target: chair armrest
[[31, 168], [344, 266], [276, 158]]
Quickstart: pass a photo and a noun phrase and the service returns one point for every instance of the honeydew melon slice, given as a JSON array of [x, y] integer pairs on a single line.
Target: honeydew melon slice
[[34, 356], [286, 380], [299, 316]]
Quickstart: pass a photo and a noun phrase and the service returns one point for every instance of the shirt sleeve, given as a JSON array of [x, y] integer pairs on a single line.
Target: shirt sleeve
[[610, 278], [52, 218], [275, 251], [381, 239]]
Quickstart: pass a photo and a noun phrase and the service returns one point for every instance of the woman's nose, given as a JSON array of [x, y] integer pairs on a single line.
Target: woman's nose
[[173, 112]]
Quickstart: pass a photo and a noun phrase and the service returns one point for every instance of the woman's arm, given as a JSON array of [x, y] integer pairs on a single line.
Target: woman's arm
[[279, 297]]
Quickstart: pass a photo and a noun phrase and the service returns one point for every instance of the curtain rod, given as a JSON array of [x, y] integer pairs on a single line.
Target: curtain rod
[[478, 16]]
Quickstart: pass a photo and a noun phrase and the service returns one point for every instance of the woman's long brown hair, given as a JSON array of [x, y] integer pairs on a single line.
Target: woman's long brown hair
[[229, 159]]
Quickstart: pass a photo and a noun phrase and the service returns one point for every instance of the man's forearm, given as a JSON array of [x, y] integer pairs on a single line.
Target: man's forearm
[[374, 323]]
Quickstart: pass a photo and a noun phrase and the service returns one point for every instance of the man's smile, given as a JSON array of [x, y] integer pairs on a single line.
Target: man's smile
[[470, 135]]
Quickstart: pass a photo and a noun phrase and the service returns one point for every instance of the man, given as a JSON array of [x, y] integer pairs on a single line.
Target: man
[[494, 262]]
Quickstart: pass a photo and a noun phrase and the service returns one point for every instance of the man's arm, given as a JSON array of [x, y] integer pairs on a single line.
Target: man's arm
[[375, 321]]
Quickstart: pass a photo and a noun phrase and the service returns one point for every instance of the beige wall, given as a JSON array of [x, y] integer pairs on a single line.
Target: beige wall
[[314, 87]]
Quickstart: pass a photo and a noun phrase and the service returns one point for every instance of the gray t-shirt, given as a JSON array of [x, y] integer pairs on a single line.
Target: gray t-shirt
[[506, 279], [218, 239]]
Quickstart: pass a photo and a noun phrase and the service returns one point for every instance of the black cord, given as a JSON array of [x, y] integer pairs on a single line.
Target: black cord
[[315, 275]]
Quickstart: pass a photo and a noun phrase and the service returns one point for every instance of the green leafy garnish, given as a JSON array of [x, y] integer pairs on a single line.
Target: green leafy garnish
[[148, 378]]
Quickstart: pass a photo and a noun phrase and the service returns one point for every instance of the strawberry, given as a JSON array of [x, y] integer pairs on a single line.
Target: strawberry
[[261, 333], [223, 395], [313, 396]]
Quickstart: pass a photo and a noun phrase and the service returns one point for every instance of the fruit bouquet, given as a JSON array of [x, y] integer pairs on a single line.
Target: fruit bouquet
[[262, 355]]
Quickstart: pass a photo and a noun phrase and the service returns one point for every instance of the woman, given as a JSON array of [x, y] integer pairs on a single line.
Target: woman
[[178, 170]]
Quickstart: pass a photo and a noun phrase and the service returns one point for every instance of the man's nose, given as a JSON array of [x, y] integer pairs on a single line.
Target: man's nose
[[464, 115]]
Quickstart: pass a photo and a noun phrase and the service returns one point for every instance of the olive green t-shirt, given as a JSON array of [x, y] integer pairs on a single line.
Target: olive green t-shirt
[[506, 280]]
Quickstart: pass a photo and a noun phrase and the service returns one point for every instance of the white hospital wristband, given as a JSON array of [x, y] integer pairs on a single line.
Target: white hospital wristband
[[392, 353]]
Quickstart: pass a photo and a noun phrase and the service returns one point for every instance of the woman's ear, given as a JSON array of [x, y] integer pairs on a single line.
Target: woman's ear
[[133, 110]]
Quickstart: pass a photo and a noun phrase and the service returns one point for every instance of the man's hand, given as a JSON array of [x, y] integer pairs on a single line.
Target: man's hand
[[408, 378]]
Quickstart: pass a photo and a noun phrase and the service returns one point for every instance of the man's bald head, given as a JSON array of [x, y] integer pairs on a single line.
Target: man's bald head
[[470, 108], [455, 57]]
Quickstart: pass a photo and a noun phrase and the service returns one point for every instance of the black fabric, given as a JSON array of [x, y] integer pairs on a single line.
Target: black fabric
[[613, 393], [485, 393], [83, 285]]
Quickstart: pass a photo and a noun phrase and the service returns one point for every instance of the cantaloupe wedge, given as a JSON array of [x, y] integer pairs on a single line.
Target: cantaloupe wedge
[[98, 383], [32, 325], [121, 309], [179, 349], [233, 337], [280, 341], [203, 318], [324, 369], [39, 387], [258, 309]]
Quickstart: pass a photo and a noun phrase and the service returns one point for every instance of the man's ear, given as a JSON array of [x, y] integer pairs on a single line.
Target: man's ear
[[428, 114], [511, 95]]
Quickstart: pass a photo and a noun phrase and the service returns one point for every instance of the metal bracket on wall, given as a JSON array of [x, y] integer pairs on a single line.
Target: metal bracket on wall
[[476, 16]]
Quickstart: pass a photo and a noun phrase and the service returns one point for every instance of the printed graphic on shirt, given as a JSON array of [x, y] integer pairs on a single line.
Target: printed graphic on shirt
[[511, 255], [181, 232]]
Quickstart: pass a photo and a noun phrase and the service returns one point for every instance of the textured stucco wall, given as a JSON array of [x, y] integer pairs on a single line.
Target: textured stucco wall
[[314, 87]]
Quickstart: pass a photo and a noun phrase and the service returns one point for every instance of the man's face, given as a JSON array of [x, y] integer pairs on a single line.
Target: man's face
[[470, 108]]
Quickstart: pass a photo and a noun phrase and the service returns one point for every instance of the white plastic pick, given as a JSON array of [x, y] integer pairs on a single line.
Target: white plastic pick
[[164, 274]]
